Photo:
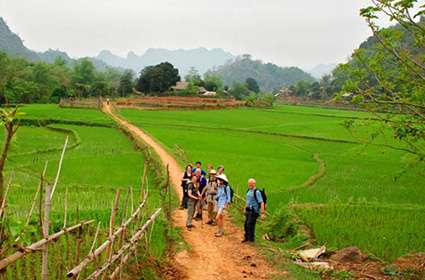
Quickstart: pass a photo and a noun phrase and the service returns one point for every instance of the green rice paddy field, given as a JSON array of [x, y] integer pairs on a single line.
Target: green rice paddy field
[[363, 202], [99, 160], [360, 201]]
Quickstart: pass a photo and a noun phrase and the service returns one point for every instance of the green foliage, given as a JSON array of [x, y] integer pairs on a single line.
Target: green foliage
[[126, 83], [158, 78], [252, 85], [22, 81], [194, 77], [283, 226], [239, 90], [269, 77], [191, 90], [213, 83], [387, 73], [263, 100]]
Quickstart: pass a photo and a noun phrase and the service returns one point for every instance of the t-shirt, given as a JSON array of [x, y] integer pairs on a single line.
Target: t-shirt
[[202, 183], [186, 179], [251, 202], [193, 189], [203, 172]]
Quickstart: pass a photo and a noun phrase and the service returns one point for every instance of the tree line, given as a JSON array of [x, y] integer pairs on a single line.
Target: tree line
[[24, 81]]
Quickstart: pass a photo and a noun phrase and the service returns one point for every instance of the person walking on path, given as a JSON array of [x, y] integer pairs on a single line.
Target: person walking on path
[[202, 183], [254, 206], [194, 196], [223, 200], [187, 178], [211, 190]]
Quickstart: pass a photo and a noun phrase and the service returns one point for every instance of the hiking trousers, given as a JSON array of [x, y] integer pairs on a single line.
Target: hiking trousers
[[199, 208], [190, 211], [211, 208], [250, 222], [185, 198]]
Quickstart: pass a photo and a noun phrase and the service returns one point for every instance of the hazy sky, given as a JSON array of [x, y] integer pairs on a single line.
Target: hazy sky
[[286, 32]]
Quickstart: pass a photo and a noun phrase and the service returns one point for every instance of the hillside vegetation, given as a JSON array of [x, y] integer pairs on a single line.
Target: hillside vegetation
[[270, 77]]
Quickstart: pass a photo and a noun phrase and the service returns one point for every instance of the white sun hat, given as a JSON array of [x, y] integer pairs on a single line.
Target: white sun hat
[[223, 177]]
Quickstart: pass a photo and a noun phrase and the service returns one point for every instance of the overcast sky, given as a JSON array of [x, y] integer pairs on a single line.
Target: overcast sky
[[286, 32]]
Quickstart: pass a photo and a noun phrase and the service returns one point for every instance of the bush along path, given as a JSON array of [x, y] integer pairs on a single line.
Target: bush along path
[[209, 258]]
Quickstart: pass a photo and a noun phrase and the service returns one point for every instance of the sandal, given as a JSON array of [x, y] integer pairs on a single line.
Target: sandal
[[219, 234]]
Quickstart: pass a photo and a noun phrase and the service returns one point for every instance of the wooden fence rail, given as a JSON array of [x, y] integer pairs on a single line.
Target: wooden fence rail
[[127, 247], [95, 253], [37, 246]]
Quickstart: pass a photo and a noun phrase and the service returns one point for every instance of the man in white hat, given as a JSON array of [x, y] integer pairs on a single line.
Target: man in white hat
[[223, 200], [211, 190]]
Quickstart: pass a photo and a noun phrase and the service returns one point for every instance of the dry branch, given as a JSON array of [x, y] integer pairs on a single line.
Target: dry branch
[[36, 194], [3, 203], [129, 245], [37, 245], [65, 208], [91, 256], [114, 211], [59, 168]]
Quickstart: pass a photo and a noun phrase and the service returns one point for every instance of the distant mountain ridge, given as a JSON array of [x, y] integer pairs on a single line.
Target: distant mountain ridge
[[201, 59], [12, 44]]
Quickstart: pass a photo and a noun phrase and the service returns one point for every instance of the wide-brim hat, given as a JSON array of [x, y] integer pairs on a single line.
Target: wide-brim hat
[[223, 177], [212, 171]]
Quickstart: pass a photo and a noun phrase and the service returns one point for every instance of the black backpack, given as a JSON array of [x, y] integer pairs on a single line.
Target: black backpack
[[263, 196], [231, 192]]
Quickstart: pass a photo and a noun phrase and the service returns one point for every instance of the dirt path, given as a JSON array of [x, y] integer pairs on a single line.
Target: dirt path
[[209, 258]]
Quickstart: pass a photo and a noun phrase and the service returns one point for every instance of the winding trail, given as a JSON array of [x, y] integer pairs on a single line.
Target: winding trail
[[209, 258]]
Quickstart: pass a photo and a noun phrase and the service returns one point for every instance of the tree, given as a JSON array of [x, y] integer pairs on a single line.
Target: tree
[[239, 90], [301, 88], [7, 119], [269, 77], [388, 72], [126, 83], [194, 78], [252, 85], [213, 83], [158, 78], [314, 91], [84, 72], [22, 81]]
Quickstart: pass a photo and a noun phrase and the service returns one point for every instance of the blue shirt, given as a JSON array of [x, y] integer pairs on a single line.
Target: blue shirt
[[203, 172], [251, 202], [202, 183], [223, 196]]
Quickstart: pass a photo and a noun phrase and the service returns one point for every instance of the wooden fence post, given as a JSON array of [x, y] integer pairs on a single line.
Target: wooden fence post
[[45, 229], [114, 211]]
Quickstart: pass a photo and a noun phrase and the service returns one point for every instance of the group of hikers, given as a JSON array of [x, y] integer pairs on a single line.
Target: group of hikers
[[211, 190]]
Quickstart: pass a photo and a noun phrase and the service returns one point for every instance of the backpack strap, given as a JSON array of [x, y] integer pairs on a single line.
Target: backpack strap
[[255, 197], [227, 192]]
